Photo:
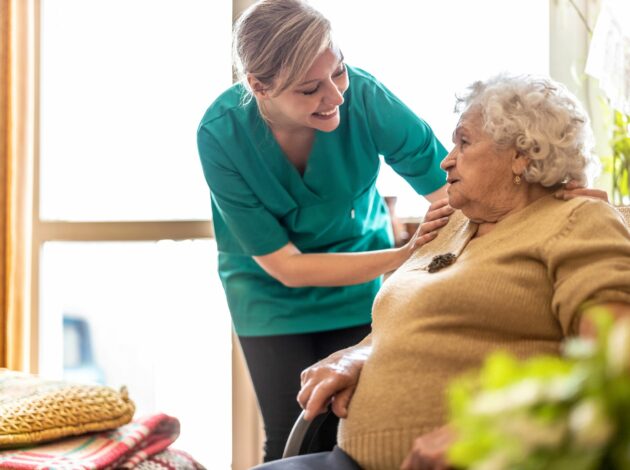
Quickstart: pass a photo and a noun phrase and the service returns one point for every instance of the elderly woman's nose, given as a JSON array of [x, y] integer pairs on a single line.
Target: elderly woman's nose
[[448, 161]]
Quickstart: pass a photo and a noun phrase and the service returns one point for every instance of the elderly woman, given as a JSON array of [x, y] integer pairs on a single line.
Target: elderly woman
[[512, 270]]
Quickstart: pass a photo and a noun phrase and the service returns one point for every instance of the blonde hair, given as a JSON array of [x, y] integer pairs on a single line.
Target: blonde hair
[[277, 41], [542, 120]]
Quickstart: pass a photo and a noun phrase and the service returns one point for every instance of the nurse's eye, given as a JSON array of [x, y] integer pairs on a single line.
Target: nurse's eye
[[340, 71], [463, 142], [310, 92]]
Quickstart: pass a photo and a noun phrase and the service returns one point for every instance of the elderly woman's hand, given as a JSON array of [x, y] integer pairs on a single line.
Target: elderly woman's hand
[[428, 451], [332, 379], [435, 218], [573, 189]]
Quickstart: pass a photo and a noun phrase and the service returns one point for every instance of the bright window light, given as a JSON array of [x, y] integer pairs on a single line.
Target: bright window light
[[427, 51], [124, 84]]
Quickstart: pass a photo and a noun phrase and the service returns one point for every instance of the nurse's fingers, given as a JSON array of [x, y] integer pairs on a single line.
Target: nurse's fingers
[[438, 210], [428, 227], [567, 194], [427, 232], [422, 239]]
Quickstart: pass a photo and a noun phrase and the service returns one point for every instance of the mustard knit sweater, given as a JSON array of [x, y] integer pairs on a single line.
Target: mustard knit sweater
[[518, 288]]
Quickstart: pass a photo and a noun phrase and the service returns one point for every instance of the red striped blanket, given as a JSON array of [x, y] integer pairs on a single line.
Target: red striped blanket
[[140, 444]]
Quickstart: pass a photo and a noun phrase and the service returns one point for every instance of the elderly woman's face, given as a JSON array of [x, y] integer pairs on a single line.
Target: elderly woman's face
[[479, 174]]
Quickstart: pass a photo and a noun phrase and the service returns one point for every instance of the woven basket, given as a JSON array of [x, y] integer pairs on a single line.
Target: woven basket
[[34, 410]]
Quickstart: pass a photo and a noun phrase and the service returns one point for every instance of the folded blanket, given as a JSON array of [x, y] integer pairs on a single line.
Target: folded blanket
[[125, 447], [170, 459]]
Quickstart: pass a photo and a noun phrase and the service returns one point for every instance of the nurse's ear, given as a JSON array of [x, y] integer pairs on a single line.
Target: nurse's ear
[[260, 90]]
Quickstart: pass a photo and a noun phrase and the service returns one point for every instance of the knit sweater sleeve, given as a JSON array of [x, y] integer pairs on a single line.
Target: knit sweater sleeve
[[588, 262]]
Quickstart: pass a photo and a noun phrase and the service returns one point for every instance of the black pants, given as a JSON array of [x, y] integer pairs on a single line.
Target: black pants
[[275, 364]]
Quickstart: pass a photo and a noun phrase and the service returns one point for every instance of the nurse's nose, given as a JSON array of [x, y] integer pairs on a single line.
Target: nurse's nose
[[333, 95]]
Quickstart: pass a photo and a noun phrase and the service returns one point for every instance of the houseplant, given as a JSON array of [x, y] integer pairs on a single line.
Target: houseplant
[[618, 165], [570, 412]]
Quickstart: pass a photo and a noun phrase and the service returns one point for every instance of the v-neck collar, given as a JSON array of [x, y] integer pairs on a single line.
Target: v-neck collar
[[303, 185]]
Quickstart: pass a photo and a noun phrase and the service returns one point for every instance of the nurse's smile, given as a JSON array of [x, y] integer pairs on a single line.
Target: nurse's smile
[[327, 114]]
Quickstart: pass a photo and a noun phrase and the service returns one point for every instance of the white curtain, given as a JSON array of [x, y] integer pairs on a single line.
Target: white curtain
[[609, 53]]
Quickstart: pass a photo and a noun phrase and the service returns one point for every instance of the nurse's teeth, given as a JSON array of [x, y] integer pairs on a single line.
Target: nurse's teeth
[[327, 113]]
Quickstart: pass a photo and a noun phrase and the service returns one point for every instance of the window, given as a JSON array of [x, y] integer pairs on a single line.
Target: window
[[127, 291]]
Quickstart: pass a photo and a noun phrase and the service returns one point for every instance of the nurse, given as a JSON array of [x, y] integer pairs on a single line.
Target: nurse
[[291, 156]]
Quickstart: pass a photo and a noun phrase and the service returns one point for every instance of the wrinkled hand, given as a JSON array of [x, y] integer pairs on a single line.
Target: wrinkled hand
[[428, 451], [572, 189], [435, 218], [332, 380]]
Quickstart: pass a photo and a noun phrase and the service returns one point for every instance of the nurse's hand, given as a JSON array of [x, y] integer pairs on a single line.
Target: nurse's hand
[[435, 218], [573, 189], [332, 381]]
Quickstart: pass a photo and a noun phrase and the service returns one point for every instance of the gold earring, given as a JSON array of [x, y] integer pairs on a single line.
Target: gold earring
[[517, 179]]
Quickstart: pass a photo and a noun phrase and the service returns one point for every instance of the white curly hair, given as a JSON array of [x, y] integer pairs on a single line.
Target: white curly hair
[[542, 120]]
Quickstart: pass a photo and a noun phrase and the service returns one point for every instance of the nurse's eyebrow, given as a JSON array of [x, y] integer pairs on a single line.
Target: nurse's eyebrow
[[309, 81], [317, 79]]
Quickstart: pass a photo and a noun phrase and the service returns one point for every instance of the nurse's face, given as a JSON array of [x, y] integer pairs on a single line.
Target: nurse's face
[[314, 101]]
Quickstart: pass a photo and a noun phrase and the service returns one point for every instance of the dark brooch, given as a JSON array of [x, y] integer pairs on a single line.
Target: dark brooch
[[440, 262]]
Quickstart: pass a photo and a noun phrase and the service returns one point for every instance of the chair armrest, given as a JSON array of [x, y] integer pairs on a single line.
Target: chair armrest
[[296, 437], [307, 436]]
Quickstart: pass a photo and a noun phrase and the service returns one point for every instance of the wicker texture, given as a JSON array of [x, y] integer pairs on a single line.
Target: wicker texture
[[34, 410]]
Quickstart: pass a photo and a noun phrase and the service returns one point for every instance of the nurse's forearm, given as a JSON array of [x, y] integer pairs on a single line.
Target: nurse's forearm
[[295, 269]]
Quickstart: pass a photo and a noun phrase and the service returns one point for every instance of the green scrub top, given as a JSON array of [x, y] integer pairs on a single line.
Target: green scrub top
[[260, 201]]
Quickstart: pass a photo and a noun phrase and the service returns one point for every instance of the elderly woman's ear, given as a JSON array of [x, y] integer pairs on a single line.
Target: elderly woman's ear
[[520, 163]]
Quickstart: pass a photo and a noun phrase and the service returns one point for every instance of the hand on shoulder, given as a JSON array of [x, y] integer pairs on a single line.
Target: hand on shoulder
[[572, 190], [436, 217]]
